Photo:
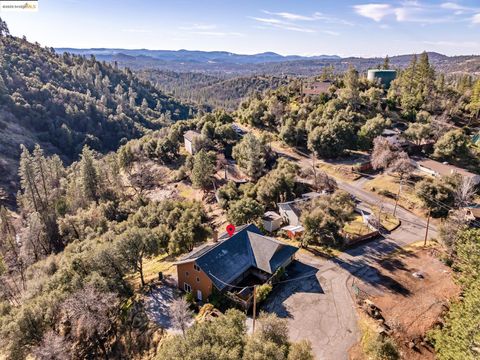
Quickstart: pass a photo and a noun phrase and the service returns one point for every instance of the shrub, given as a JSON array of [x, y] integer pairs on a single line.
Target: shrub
[[263, 291]]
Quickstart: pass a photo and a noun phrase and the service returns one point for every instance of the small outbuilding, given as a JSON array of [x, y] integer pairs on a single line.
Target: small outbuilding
[[272, 221], [188, 138]]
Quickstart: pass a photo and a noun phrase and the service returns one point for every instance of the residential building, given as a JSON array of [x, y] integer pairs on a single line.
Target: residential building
[[246, 258], [188, 138], [436, 168]]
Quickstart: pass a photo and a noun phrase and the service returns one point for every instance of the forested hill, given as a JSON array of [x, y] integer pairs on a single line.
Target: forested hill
[[216, 91], [64, 102]]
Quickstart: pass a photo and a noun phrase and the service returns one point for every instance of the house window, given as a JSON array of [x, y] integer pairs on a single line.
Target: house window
[[196, 267], [187, 287], [198, 279], [186, 273]]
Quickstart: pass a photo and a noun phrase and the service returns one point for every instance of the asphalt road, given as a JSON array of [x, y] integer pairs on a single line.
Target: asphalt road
[[321, 308]]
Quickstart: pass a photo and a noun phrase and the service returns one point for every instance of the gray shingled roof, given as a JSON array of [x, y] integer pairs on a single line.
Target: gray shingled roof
[[295, 206], [227, 260]]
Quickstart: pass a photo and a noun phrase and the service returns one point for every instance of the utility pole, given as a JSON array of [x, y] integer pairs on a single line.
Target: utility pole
[[426, 232], [398, 196], [254, 307]]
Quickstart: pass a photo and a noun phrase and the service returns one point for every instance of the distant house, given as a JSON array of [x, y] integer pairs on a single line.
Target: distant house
[[272, 221], [316, 87], [237, 262], [188, 138], [436, 168]]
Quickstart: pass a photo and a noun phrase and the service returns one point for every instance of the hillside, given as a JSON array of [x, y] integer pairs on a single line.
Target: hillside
[[64, 102], [211, 90]]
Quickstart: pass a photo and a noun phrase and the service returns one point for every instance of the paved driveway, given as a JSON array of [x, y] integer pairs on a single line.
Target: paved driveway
[[318, 307]]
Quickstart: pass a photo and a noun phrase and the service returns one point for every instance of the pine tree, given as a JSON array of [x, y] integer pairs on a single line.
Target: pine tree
[[89, 175]]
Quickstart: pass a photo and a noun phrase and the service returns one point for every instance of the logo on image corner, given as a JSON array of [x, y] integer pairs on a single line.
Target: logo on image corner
[[18, 5]]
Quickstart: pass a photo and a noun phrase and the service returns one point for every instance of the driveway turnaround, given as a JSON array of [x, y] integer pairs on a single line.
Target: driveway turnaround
[[318, 307]]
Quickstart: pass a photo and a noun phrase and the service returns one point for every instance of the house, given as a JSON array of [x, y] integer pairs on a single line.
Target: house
[[316, 88], [436, 168], [272, 221], [188, 138], [237, 262], [290, 211]]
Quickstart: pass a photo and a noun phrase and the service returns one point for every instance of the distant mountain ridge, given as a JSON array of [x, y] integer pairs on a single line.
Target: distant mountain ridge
[[267, 63], [195, 56]]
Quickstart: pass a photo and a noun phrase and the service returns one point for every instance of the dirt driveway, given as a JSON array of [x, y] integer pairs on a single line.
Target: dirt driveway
[[318, 307]]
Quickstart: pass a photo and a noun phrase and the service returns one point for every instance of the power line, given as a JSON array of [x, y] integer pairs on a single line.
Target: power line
[[252, 286]]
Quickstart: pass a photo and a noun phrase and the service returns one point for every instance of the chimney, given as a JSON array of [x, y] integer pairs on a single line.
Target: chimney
[[215, 236]]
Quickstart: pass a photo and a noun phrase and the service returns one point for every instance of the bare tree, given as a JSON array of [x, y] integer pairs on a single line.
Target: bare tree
[[52, 347], [181, 314], [382, 154], [465, 192], [90, 315]]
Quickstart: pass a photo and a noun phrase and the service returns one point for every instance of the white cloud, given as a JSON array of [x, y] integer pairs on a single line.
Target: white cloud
[[268, 20], [293, 17], [218, 33], [476, 19], [374, 11]]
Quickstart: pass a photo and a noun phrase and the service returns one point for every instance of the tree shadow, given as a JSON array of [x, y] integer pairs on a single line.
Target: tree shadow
[[365, 261]]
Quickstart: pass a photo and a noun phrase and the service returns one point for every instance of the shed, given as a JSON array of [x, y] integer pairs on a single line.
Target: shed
[[188, 138], [271, 221]]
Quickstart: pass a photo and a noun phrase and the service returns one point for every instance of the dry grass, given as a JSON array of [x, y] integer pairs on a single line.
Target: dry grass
[[151, 268], [385, 182], [357, 227]]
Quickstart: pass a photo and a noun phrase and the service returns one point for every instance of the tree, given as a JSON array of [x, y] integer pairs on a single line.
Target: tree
[[251, 155], [373, 127], [134, 245], [89, 176], [437, 196], [181, 314], [386, 63], [325, 217], [53, 346], [222, 338], [465, 191], [330, 140], [4, 28], [40, 182], [278, 185], [459, 338], [301, 351], [383, 153], [474, 105], [418, 132], [91, 315], [452, 145], [244, 211], [203, 169]]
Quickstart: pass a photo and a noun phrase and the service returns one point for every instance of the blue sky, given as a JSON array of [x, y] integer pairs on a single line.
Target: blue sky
[[304, 27]]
